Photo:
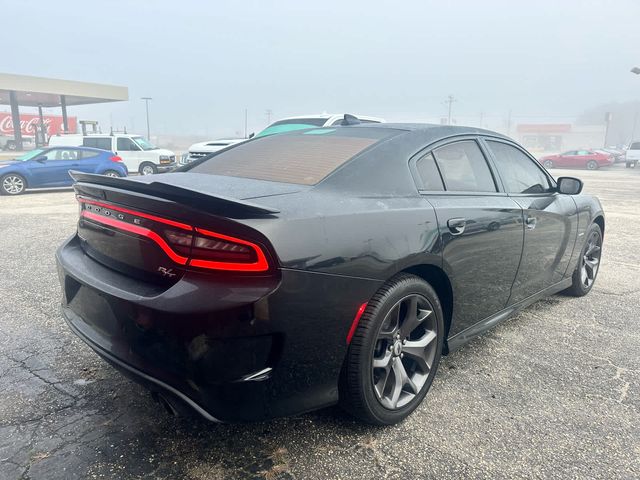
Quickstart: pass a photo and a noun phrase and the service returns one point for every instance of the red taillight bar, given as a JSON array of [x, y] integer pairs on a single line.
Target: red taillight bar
[[260, 265], [184, 226], [116, 158], [144, 232]]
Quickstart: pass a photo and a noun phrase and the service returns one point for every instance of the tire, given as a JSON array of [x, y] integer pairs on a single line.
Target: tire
[[11, 145], [592, 165], [147, 168], [586, 272], [371, 392], [111, 173], [12, 184], [547, 164]]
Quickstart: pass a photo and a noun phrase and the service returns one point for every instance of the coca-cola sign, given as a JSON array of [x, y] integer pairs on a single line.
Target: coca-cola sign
[[29, 123]]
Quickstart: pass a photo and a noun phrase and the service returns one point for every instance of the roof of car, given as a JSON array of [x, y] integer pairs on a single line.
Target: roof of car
[[75, 147]]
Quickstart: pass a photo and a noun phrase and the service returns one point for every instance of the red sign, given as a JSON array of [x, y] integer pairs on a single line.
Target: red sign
[[29, 123]]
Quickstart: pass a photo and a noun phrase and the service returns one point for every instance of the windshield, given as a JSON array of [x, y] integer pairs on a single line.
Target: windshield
[[144, 144], [30, 155]]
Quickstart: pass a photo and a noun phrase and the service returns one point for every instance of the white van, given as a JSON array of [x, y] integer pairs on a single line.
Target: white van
[[136, 152]]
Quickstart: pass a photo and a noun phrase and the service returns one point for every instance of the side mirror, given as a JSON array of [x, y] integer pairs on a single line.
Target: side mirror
[[252, 135], [570, 185], [40, 159]]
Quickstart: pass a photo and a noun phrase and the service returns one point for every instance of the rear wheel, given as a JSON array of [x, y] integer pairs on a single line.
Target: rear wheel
[[548, 164], [394, 353], [12, 184], [11, 145], [586, 271], [592, 165], [148, 169], [111, 173]]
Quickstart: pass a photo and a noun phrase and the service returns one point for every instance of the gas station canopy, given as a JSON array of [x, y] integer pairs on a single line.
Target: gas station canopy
[[26, 91], [46, 92]]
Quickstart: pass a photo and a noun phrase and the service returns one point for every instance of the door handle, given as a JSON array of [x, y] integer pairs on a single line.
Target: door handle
[[456, 225], [531, 222]]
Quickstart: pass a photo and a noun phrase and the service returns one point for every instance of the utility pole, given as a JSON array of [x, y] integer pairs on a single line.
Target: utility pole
[[146, 101], [450, 99], [268, 112], [245, 123]]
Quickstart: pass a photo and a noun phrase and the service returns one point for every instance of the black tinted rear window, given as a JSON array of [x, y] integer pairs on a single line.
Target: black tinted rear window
[[303, 157]]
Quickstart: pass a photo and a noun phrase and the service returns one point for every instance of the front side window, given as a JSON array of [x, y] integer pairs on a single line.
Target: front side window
[[520, 173], [126, 145], [62, 154], [635, 146], [464, 168]]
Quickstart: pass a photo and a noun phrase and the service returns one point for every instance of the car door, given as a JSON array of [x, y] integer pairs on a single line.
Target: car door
[[51, 169], [480, 228], [550, 219], [566, 159], [131, 154]]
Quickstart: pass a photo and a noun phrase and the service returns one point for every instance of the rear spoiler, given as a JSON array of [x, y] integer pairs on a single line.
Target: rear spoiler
[[186, 196]]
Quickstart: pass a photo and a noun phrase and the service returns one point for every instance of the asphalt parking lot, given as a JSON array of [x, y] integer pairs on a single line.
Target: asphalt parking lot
[[553, 393]]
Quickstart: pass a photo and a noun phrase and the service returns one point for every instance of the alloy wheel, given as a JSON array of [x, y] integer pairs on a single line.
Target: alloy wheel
[[12, 184], [147, 170], [113, 174], [591, 259], [404, 352]]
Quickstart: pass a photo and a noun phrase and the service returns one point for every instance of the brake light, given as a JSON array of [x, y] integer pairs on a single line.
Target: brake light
[[116, 158], [184, 244]]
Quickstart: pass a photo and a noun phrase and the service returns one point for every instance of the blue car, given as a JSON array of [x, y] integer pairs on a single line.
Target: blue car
[[49, 167]]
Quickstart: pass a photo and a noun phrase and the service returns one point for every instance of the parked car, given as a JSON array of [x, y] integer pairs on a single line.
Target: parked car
[[310, 121], [8, 142], [49, 167], [632, 156], [589, 159], [136, 152], [618, 155], [202, 149], [322, 266]]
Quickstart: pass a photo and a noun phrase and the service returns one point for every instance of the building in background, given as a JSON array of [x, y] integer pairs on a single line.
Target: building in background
[[558, 137]]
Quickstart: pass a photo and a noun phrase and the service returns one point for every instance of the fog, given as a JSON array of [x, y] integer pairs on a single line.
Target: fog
[[204, 63]]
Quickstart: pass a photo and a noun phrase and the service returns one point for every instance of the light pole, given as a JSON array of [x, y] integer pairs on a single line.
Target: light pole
[[635, 70], [146, 101]]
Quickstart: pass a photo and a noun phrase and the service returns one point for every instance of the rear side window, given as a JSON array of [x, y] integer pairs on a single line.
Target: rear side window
[[89, 154], [520, 173], [103, 143], [303, 157], [464, 168], [429, 174], [635, 146]]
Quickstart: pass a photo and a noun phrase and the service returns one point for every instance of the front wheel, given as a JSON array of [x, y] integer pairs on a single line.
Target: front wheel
[[547, 164], [592, 165], [588, 266], [394, 353], [12, 184], [148, 169]]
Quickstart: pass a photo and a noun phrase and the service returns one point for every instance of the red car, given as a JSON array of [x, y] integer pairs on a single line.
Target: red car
[[588, 159]]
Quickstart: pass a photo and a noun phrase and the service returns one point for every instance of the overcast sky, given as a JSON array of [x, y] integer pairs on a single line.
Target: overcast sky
[[205, 62]]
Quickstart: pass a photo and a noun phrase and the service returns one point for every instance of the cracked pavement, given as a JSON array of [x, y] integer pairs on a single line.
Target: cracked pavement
[[552, 393]]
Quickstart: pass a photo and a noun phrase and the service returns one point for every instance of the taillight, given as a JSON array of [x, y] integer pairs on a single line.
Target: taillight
[[184, 244], [116, 158]]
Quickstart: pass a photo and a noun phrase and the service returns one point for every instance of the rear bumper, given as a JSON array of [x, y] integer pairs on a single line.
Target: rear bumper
[[232, 349]]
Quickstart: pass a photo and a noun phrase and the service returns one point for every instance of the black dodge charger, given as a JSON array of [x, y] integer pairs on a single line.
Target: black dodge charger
[[328, 265]]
